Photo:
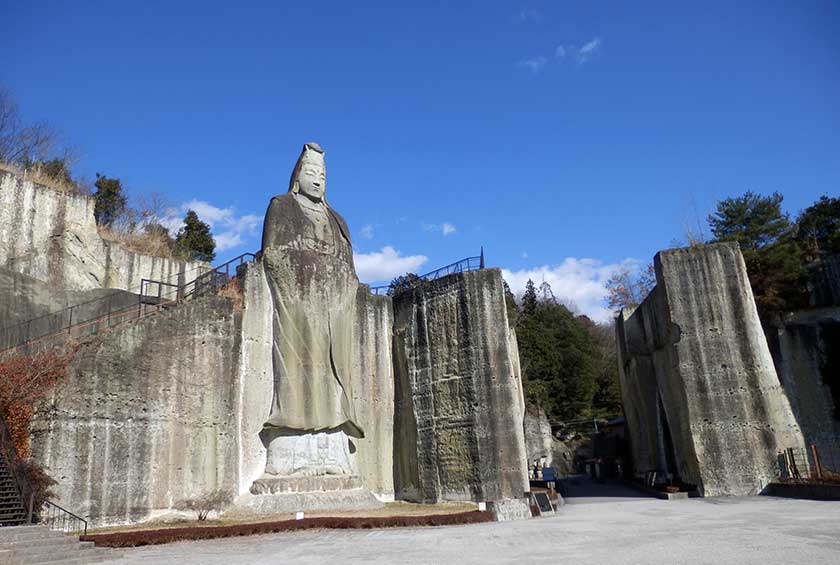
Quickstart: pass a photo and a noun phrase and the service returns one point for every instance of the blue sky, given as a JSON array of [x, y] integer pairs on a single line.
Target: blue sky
[[565, 137]]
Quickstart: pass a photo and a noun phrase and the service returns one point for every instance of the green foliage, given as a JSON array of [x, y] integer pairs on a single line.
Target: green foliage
[[818, 228], [607, 398], [403, 283], [773, 258], [111, 203], [195, 240], [559, 357]]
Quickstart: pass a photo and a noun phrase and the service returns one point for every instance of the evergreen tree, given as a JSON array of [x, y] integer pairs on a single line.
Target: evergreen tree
[[558, 356], [818, 228], [195, 240], [111, 203], [772, 256]]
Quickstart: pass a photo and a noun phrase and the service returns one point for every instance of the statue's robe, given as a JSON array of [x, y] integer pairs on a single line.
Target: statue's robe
[[313, 285]]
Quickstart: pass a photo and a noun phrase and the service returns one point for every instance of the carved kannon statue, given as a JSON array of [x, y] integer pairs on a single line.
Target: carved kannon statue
[[308, 260]]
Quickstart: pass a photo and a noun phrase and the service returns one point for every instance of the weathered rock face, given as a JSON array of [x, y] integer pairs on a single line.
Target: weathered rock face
[[373, 392], [51, 236], [458, 430], [148, 415], [697, 376], [541, 444], [806, 348], [30, 308]]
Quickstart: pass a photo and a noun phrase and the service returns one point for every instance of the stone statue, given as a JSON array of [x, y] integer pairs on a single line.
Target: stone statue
[[308, 260]]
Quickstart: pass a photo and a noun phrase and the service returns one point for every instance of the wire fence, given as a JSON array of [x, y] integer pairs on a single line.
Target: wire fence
[[816, 462]]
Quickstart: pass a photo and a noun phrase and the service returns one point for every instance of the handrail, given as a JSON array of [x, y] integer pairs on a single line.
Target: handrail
[[212, 279], [465, 264], [10, 453], [60, 519]]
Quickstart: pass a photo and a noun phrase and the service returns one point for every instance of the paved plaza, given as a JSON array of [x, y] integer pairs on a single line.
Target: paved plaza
[[604, 524]]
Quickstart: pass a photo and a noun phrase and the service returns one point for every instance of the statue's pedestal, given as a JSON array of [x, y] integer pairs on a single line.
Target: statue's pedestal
[[272, 495], [317, 483]]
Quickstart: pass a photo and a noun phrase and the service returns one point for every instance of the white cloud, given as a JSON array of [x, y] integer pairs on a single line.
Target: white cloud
[[588, 50], [229, 230], [382, 266], [560, 52], [445, 228], [581, 282], [366, 232], [534, 64]]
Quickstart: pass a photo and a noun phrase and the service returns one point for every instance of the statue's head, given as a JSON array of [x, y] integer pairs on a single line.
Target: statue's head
[[310, 175]]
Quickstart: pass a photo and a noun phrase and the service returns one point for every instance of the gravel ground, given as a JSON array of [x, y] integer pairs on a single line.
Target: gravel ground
[[600, 524]]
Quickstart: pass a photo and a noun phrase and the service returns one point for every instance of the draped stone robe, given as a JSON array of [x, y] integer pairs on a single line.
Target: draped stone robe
[[313, 285]]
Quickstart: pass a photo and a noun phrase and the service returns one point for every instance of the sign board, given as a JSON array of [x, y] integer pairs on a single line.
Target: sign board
[[540, 499]]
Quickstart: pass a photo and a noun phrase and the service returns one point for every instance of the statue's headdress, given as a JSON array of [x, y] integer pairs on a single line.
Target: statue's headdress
[[311, 153]]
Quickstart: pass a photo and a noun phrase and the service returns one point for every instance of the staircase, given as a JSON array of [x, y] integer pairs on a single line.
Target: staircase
[[24, 545], [12, 511]]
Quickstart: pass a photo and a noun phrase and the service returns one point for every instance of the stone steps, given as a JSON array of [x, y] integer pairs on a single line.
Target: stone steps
[[39, 545]]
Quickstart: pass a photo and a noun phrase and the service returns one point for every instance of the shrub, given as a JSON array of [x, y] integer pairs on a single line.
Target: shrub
[[215, 500]]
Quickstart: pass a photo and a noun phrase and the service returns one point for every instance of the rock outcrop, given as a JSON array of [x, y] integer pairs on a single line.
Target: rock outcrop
[[458, 426], [52, 236], [701, 395]]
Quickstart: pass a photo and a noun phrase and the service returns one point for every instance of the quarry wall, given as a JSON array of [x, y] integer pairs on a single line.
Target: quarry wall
[[458, 427], [719, 413], [147, 415], [51, 236]]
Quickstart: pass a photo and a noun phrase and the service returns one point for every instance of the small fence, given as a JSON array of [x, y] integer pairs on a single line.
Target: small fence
[[817, 462], [466, 264]]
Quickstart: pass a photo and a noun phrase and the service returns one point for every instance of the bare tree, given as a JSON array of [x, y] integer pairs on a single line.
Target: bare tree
[[627, 289], [20, 142]]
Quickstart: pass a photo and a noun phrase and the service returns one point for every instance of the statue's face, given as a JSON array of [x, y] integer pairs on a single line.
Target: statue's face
[[312, 180]]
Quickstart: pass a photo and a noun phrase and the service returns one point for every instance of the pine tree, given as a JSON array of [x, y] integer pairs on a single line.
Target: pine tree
[[773, 258], [111, 203], [195, 240], [818, 228]]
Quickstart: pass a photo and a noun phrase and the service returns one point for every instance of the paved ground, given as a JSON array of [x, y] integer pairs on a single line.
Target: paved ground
[[598, 525]]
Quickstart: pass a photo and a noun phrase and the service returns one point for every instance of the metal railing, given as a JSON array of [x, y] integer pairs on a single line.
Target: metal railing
[[60, 519], [117, 307], [466, 264], [820, 463], [9, 453]]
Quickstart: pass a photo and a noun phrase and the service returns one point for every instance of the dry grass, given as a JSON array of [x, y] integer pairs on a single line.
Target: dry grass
[[155, 244], [243, 516], [37, 176], [233, 291]]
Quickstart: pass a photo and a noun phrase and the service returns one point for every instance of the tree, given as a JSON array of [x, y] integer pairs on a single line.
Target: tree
[[626, 289], [510, 305], [195, 239], [607, 398], [772, 256], [20, 142], [557, 354], [403, 283], [110, 202], [818, 228], [24, 381]]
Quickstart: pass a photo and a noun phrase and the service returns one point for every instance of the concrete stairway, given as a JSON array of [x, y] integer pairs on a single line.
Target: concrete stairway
[[12, 512], [22, 545]]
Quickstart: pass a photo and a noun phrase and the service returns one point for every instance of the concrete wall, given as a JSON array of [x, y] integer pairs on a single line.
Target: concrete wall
[[459, 410], [51, 236], [721, 415], [147, 415]]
